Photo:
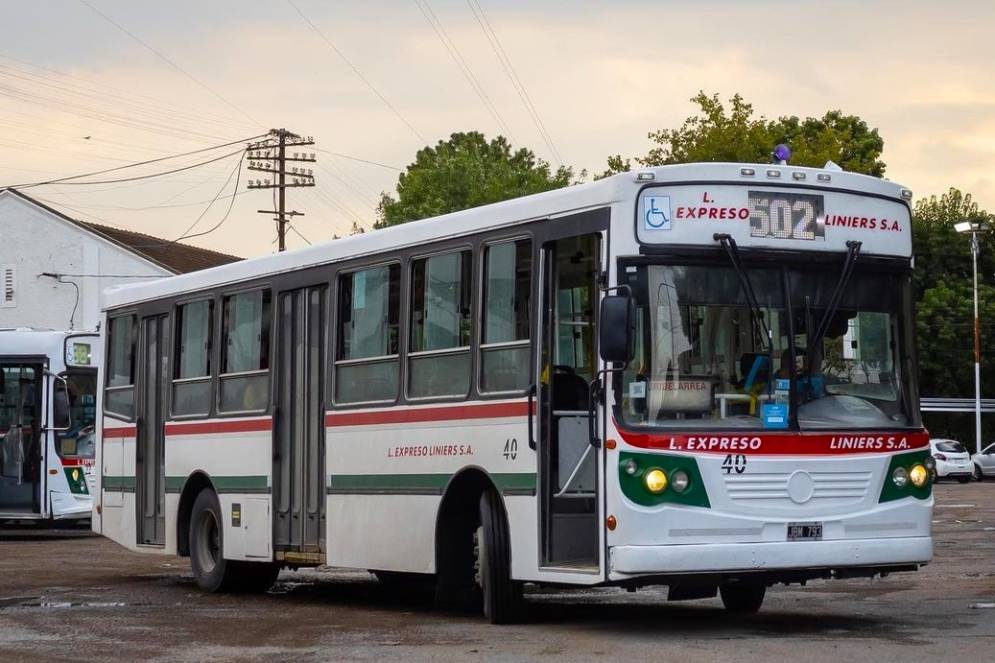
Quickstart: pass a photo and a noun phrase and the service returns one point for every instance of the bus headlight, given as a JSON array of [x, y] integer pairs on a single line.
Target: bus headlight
[[900, 477], [680, 481], [930, 463], [918, 475], [630, 467], [655, 481]]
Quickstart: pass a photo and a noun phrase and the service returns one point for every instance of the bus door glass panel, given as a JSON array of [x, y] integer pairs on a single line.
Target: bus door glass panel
[[21, 451], [150, 461], [299, 461], [568, 361]]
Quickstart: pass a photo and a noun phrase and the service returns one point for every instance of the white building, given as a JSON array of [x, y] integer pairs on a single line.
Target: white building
[[53, 267]]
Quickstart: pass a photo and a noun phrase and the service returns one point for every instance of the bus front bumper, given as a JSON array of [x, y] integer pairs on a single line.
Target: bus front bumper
[[731, 557]]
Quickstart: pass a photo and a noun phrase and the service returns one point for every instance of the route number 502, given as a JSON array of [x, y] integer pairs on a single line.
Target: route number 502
[[786, 215]]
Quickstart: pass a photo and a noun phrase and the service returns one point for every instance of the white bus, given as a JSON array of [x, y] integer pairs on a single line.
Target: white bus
[[48, 413], [699, 376]]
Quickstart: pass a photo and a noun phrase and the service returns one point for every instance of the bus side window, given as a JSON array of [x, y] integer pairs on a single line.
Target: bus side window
[[439, 353], [366, 358], [504, 346], [244, 375], [119, 392], [192, 358]]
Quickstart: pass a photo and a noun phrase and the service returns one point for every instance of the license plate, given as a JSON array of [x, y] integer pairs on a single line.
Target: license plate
[[804, 531]]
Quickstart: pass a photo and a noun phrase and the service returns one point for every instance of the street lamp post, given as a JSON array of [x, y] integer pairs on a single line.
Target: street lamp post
[[974, 227]]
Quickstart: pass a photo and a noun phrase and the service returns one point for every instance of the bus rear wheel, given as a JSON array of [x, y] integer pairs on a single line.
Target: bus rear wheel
[[742, 597], [502, 596], [211, 570]]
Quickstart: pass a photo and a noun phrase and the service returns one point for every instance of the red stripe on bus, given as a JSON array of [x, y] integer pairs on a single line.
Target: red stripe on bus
[[446, 413], [210, 427], [780, 444], [124, 431]]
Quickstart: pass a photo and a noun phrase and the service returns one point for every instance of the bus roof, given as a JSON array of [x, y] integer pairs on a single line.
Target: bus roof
[[36, 342], [551, 204]]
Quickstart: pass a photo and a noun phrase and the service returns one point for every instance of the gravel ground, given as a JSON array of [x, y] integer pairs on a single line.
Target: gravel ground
[[68, 595]]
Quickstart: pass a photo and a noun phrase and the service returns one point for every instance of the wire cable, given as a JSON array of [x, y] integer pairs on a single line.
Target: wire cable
[[356, 71], [169, 62], [68, 180], [516, 82], [454, 53], [352, 158]]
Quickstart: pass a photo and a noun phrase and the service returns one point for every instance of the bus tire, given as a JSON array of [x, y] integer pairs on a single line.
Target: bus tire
[[502, 596], [256, 577], [211, 570], [743, 598]]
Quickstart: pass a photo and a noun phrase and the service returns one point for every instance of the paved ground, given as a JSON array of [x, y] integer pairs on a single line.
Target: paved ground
[[68, 596]]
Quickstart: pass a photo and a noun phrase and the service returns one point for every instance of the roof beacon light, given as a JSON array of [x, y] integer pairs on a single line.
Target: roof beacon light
[[645, 176], [781, 154]]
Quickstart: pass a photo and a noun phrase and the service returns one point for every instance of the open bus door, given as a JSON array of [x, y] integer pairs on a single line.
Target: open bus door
[[22, 448], [570, 491]]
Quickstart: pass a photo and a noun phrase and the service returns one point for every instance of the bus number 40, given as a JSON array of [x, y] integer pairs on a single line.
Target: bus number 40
[[735, 463], [511, 449]]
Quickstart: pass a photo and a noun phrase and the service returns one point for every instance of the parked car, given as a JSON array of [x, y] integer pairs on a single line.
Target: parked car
[[984, 463], [952, 460]]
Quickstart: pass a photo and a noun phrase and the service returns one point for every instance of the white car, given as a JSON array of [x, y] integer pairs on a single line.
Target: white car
[[984, 463], [952, 460]]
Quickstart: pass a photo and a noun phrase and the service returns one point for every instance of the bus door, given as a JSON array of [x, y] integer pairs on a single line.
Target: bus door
[[150, 447], [568, 463], [299, 425], [21, 448]]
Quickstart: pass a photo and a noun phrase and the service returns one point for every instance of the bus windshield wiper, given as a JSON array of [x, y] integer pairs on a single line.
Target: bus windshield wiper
[[729, 244], [852, 253]]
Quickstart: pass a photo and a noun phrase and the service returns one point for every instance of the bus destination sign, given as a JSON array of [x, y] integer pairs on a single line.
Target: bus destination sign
[[786, 215]]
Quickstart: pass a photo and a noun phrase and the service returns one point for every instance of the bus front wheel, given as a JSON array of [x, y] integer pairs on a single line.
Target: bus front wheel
[[743, 598], [502, 596]]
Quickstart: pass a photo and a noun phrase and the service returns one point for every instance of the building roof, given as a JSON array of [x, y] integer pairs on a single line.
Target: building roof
[[170, 255]]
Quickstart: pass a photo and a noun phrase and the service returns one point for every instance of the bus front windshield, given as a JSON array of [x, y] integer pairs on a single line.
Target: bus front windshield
[[81, 390], [708, 359]]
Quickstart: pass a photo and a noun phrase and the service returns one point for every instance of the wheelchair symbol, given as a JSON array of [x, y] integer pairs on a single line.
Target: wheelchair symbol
[[657, 219]]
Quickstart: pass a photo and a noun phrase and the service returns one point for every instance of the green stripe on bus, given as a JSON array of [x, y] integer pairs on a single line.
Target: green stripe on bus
[[252, 483], [117, 483], [420, 482]]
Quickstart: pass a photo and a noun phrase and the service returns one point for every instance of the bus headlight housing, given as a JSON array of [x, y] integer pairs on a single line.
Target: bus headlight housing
[[655, 481], [919, 475], [900, 477], [930, 463], [680, 481]]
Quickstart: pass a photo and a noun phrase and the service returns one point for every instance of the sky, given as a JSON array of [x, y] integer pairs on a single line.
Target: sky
[[87, 85]]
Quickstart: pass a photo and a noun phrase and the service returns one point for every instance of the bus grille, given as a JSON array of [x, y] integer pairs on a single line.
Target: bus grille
[[797, 487]]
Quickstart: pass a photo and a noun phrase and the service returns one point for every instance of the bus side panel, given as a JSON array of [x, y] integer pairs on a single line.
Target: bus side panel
[[239, 464], [386, 480], [117, 484]]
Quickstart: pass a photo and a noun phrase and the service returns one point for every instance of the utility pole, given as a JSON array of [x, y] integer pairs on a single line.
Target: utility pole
[[270, 156]]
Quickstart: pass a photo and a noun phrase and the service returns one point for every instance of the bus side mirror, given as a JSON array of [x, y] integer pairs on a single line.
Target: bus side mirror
[[617, 334], [61, 416]]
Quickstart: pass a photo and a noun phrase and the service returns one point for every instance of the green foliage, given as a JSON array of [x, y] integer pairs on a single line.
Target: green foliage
[[945, 310], [718, 133], [466, 171]]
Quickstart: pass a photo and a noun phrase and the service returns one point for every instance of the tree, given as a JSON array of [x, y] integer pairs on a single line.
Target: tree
[[943, 284], [463, 172], [716, 133]]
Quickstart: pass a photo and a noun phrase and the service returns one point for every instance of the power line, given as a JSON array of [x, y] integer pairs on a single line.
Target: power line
[[66, 180], [129, 96], [358, 73], [238, 168], [231, 203], [509, 70], [169, 62], [460, 61], [352, 158], [306, 240]]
